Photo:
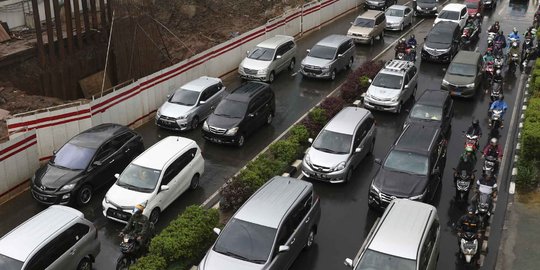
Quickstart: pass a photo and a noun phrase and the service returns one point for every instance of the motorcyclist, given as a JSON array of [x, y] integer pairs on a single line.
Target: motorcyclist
[[495, 27], [477, 19], [513, 50], [499, 105], [475, 129], [498, 77], [488, 180], [500, 40], [468, 157], [137, 225], [469, 222], [411, 43], [401, 47], [488, 56], [529, 34], [493, 149], [514, 35]]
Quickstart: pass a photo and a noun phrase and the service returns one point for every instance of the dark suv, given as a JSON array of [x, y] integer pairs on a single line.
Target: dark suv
[[433, 108], [412, 169], [239, 114], [379, 4], [442, 42]]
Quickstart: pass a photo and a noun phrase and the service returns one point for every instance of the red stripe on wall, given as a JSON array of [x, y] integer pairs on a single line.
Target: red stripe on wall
[[15, 145], [18, 151]]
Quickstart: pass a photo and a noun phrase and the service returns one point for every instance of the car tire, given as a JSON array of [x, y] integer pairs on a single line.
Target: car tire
[[310, 239], [194, 184], [348, 176], [333, 75], [371, 41], [195, 122], [372, 147], [271, 77], [398, 109], [154, 215], [241, 140], [381, 36], [292, 64], [269, 118], [85, 264], [350, 64], [401, 27], [84, 195]]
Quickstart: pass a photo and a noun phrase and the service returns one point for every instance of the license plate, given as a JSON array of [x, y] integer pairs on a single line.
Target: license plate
[[216, 140], [320, 175], [434, 57], [43, 198], [456, 93]]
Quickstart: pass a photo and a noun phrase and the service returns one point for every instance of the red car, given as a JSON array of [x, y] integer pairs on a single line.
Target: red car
[[474, 6]]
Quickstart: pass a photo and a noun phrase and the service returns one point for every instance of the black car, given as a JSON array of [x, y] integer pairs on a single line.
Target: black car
[[85, 163], [433, 108], [412, 169], [379, 4], [425, 7], [442, 42], [242, 112]]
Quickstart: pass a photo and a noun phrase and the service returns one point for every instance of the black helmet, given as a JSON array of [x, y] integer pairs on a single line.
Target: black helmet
[[471, 210], [500, 32], [412, 36], [501, 98], [496, 22], [475, 122]]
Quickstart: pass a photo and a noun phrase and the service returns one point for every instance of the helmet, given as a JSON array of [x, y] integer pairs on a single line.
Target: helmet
[[489, 49], [402, 40], [515, 30], [493, 141], [501, 98], [514, 44], [478, 15], [498, 72], [500, 32], [139, 208], [412, 36], [475, 122], [469, 149], [471, 210], [497, 23], [530, 28]]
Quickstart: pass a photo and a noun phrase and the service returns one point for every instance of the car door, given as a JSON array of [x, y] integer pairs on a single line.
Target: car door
[[281, 62], [170, 179], [463, 18], [204, 106], [102, 168], [361, 143], [413, 75], [187, 171], [341, 56], [408, 16], [292, 227]]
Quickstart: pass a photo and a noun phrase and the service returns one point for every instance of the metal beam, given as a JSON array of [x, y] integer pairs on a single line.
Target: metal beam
[[59, 31], [50, 33], [69, 25], [78, 29], [39, 35]]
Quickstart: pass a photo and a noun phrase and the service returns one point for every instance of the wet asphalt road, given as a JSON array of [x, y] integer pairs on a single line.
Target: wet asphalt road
[[345, 220]]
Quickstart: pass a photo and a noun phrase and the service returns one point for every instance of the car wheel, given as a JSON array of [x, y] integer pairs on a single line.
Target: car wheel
[[401, 27], [372, 147], [84, 195], [194, 182], [348, 176], [241, 140], [398, 109], [371, 41], [271, 77], [310, 239], [351, 61], [154, 216], [269, 118], [333, 75], [85, 264], [381, 36], [291, 64], [195, 122]]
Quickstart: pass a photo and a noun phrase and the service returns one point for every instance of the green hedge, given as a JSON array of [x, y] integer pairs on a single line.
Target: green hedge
[[527, 176], [183, 241], [530, 135]]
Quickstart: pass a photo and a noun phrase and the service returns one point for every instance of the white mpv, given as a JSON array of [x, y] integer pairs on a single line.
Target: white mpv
[[156, 178]]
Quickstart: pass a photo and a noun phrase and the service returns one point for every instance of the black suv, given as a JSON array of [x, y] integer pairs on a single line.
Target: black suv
[[86, 162], [379, 4], [412, 169], [247, 108], [433, 108], [442, 42]]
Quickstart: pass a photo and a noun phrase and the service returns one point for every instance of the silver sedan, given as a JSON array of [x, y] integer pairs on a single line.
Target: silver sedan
[[398, 16]]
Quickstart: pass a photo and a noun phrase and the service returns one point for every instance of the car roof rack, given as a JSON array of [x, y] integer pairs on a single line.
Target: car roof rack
[[398, 65]]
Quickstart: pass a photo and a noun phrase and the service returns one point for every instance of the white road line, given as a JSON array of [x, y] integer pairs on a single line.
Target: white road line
[[512, 188]]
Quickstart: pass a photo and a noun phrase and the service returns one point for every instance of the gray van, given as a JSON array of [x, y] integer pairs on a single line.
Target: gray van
[[464, 74], [328, 56], [406, 237], [340, 146], [59, 237], [268, 232]]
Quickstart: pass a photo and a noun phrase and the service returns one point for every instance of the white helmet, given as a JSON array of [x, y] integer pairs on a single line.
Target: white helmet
[[493, 141]]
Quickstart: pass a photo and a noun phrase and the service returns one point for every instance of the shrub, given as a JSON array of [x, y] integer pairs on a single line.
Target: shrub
[[300, 134], [315, 121], [352, 89], [349, 91], [285, 151], [363, 83], [530, 135], [536, 82], [183, 240], [332, 105], [234, 194], [527, 174], [260, 170]]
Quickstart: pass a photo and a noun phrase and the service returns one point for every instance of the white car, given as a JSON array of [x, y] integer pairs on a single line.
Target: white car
[[453, 13], [155, 178]]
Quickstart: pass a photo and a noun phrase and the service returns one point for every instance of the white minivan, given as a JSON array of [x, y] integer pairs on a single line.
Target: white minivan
[[155, 178]]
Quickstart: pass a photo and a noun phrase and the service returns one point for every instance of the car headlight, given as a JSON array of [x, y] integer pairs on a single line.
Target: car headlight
[[419, 197], [158, 113], [340, 166], [106, 199], [374, 189], [445, 82], [307, 160], [350, 33], [262, 71], [326, 68], [394, 99], [470, 85], [231, 131], [418, 8], [434, 8], [182, 117], [68, 187], [205, 126]]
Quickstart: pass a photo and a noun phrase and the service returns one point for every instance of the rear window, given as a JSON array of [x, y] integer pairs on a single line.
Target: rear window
[[473, 5], [372, 260], [363, 22], [461, 69], [449, 15], [394, 12], [8, 263]]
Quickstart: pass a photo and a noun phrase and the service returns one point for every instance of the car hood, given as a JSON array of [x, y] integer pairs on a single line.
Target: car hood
[[382, 93], [324, 159], [223, 122], [360, 30], [217, 261], [124, 197], [399, 184], [54, 177], [174, 110], [254, 64], [393, 19], [424, 122], [458, 79], [317, 62]]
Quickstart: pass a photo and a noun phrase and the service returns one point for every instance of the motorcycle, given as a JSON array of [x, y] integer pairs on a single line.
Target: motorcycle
[[468, 245], [463, 181], [498, 63], [491, 36], [489, 166], [131, 250], [408, 55], [496, 91], [526, 56], [514, 62], [498, 48], [484, 203], [489, 70], [495, 123], [471, 141], [468, 34]]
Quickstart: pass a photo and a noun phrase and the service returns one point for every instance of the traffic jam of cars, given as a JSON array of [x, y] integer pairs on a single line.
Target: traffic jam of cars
[[142, 182]]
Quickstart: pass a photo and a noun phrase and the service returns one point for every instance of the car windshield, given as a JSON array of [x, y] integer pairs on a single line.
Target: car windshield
[[8, 263], [473, 5], [333, 142], [184, 97], [139, 178], [246, 241], [323, 52], [363, 22], [449, 15], [73, 157], [426, 112], [409, 162], [373, 260], [438, 36], [460, 69], [394, 12], [427, 1], [231, 108], [263, 54], [388, 81]]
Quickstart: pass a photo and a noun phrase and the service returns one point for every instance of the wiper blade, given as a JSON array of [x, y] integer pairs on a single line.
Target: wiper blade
[[325, 150], [228, 253]]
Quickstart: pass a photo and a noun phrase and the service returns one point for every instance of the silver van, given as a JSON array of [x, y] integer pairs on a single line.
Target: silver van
[[406, 237], [340, 146], [59, 237], [270, 230], [190, 104], [269, 58], [328, 56]]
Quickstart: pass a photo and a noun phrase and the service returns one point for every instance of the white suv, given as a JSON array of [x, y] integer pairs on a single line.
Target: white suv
[[392, 87], [155, 178], [453, 12]]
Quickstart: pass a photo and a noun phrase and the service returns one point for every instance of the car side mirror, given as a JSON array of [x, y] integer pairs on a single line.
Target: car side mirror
[[348, 262], [283, 248], [358, 150], [370, 80], [278, 56], [97, 163], [164, 188], [406, 86], [339, 55], [116, 175], [308, 50], [247, 52], [378, 161], [251, 115], [425, 38], [217, 231], [168, 96], [436, 171], [54, 152], [310, 140], [202, 102]]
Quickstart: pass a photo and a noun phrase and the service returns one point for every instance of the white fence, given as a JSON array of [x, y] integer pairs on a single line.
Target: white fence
[[18, 161], [135, 103]]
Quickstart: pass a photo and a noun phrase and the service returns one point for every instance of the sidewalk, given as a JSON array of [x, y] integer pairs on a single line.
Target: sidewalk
[[521, 234]]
